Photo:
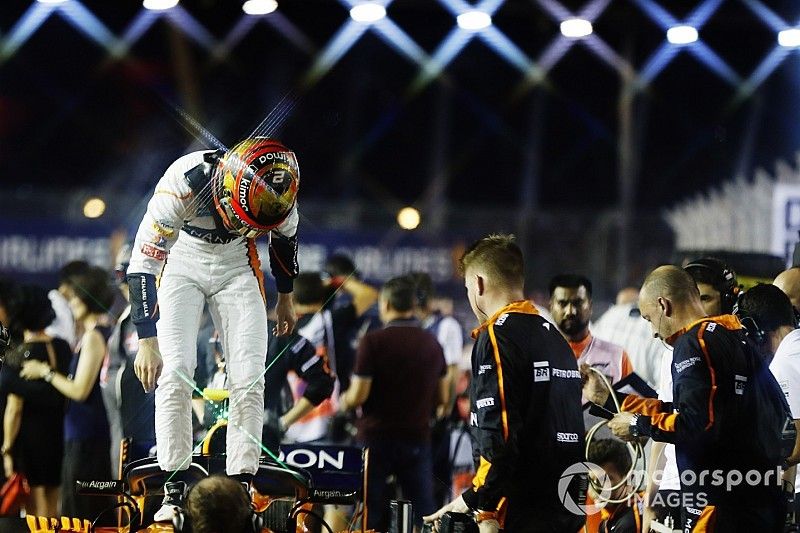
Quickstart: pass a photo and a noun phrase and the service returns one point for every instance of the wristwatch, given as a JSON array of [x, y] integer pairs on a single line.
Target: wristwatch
[[634, 427], [48, 378]]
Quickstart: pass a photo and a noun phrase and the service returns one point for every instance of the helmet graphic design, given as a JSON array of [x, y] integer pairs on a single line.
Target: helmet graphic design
[[255, 186]]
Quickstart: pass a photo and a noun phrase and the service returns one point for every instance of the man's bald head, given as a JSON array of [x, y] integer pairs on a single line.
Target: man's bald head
[[670, 282], [669, 300], [789, 282]]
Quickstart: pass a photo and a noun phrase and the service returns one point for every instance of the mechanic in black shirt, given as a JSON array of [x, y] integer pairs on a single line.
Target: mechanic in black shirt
[[525, 398], [727, 414]]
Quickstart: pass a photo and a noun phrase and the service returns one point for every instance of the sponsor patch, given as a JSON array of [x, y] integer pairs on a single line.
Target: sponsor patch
[[566, 374], [501, 319], [163, 228], [541, 371], [741, 381], [688, 363], [156, 253], [711, 327], [483, 368], [566, 437], [484, 402]]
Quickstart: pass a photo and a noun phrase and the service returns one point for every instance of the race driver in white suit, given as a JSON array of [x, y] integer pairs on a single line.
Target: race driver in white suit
[[198, 236]]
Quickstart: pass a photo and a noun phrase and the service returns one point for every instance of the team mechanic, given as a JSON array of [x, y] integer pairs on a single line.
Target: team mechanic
[[727, 414], [525, 396], [206, 212]]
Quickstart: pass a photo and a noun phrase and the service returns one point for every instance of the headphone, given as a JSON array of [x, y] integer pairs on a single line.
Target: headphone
[[754, 331], [181, 522], [724, 281]]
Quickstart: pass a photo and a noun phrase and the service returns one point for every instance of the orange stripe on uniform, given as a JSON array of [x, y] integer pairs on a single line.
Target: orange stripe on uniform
[[713, 392], [255, 265], [643, 406], [480, 476], [664, 421], [707, 521], [499, 380], [171, 193]]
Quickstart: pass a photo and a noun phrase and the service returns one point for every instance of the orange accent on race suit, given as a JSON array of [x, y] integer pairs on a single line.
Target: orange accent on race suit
[[650, 407], [729, 322], [171, 193], [524, 307], [643, 406], [707, 521], [711, 372], [255, 265], [504, 411], [480, 476]]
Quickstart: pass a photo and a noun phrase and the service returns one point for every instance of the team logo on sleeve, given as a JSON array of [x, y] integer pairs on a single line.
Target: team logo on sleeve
[[541, 371]]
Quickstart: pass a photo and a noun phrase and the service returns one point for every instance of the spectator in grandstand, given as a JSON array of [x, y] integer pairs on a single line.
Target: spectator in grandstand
[[450, 335], [525, 401], [86, 431], [217, 504], [614, 458], [124, 395], [789, 282], [400, 378], [726, 416], [769, 317], [33, 443], [622, 325], [63, 325], [321, 326], [571, 307]]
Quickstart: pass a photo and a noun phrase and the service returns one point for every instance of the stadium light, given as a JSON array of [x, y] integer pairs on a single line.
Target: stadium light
[[408, 218], [575, 28], [789, 38], [259, 7], [159, 5], [367, 12], [94, 208], [474, 20], [682, 34]]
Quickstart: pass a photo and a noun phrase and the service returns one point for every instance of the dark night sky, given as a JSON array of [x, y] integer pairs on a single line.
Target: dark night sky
[[70, 116]]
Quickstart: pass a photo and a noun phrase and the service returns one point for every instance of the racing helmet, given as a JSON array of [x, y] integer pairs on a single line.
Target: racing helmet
[[255, 186]]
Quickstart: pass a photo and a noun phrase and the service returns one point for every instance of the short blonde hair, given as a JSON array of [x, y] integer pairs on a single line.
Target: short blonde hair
[[500, 257]]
